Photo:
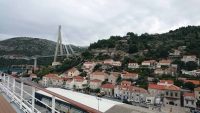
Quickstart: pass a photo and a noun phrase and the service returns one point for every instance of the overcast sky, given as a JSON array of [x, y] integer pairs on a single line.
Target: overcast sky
[[85, 21]]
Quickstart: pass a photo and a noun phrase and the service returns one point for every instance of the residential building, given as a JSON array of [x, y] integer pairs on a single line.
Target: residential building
[[99, 75], [156, 90], [88, 66], [126, 83], [197, 93], [73, 72], [187, 58], [47, 79], [133, 65], [69, 83], [176, 53], [64, 75], [113, 77], [158, 71], [108, 61], [189, 100], [95, 83], [57, 82], [107, 89], [131, 93], [79, 82], [164, 62], [149, 63], [172, 95], [165, 82], [33, 76], [133, 76], [116, 63]]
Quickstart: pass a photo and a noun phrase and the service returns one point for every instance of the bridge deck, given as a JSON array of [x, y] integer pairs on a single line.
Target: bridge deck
[[5, 107]]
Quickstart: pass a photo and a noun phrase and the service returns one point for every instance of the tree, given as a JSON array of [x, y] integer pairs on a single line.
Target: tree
[[179, 83], [191, 65], [133, 49], [164, 53], [189, 85], [119, 78], [155, 80]]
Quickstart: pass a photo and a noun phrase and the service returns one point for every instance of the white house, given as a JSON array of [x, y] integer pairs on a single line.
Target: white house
[[69, 83], [165, 82], [98, 75], [187, 58], [79, 82], [57, 82], [116, 63], [158, 71], [133, 76], [108, 61], [73, 72], [47, 79], [88, 66], [95, 84], [149, 63], [164, 62], [133, 65]]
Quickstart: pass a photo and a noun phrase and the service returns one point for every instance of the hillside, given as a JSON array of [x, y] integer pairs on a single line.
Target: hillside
[[152, 46], [30, 46]]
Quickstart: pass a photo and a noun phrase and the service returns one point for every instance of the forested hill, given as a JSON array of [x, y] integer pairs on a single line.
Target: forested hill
[[155, 43], [30, 46]]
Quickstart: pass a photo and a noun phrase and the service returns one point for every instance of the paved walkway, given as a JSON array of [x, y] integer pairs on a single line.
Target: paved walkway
[[5, 107]]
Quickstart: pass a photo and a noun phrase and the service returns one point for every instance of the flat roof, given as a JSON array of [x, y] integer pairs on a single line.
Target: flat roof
[[88, 100]]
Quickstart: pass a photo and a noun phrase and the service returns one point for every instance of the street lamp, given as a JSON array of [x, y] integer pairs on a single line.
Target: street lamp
[[99, 99]]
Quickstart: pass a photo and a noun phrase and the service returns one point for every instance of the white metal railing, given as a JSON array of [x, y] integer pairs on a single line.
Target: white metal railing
[[10, 88]]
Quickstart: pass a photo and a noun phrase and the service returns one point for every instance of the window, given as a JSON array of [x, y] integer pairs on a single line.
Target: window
[[171, 94], [127, 92], [192, 102], [175, 104], [186, 101], [176, 94], [166, 93], [199, 92]]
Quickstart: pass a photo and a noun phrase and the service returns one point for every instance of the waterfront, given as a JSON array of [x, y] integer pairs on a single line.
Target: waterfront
[[12, 69]]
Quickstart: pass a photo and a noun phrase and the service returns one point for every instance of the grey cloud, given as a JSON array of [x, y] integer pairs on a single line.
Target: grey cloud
[[84, 22]]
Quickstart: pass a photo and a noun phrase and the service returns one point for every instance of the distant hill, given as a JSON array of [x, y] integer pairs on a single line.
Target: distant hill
[[154, 44], [30, 46]]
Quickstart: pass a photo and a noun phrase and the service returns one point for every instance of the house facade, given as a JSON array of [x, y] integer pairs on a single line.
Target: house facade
[[165, 82], [156, 90], [149, 63], [98, 75], [133, 76], [107, 89], [187, 58], [47, 79], [189, 100], [88, 66], [158, 71], [108, 61], [116, 63], [133, 65], [69, 83], [172, 95], [79, 82], [72, 73], [95, 84], [57, 82], [164, 62], [113, 77], [197, 93]]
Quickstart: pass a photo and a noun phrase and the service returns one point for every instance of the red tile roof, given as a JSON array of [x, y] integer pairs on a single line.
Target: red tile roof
[[139, 89], [108, 60], [115, 74], [148, 61], [168, 81], [57, 78], [133, 88], [175, 51], [95, 80], [173, 87], [107, 85], [72, 70], [49, 75], [155, 86], [33, 75], [158, 69], [99, 73], [192, 56], [126, 82], [130, 74], [189, 94], [165, 61], [196, 82]]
